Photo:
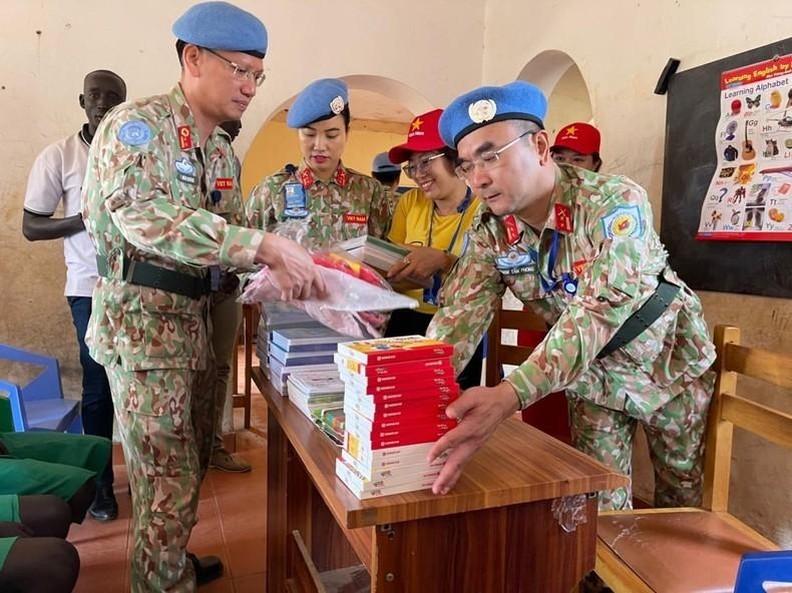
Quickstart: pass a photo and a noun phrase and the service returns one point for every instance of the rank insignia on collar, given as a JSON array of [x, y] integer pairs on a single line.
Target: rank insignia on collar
[[563, 218], [185, 137], [512, 230]]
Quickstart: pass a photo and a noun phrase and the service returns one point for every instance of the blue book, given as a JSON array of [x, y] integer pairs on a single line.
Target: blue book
[[307, 339]]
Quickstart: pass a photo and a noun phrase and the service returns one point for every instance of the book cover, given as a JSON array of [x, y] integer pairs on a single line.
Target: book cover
[[317, 382], [359, 424], [292, 359], [394, 350], [410, 408], [370, 488], [307, 339], [405, 462], [397, 393], [432, 375]]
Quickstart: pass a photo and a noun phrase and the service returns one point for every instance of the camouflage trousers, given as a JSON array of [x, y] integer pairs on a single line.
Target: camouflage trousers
[[166, 422], [675, 433]]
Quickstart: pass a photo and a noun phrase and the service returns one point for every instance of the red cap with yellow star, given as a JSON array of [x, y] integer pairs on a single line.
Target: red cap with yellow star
[[423, 136], [581, 137]]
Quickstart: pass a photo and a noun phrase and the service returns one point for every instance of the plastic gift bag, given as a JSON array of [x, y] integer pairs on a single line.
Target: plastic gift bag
[[356, 300]]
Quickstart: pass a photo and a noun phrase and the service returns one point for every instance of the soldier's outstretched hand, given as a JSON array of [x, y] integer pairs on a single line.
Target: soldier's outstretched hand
[[480, 410], [293, 270]]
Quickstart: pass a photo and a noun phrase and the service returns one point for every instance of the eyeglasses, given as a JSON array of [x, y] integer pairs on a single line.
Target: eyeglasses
[[412, 169], [487, 159], [241, 73]]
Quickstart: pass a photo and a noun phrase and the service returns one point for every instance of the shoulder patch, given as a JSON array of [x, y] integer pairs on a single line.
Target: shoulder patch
[[134, 133], [623, 221]]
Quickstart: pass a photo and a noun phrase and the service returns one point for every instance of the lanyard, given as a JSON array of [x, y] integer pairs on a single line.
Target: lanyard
[[461, 210], [569, 284]]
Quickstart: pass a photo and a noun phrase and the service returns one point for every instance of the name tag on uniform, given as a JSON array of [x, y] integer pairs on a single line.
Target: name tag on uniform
[[516, 262], [295, 200], [351, 218]]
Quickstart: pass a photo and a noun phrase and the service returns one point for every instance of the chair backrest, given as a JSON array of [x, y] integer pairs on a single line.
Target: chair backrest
[[47, 384], [499, 353], [728, 409]]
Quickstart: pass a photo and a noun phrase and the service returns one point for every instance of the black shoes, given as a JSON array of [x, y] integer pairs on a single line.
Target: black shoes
[[104, 507], [207, 568]]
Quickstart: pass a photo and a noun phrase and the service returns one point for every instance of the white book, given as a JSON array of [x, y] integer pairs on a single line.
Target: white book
[[363, 489]]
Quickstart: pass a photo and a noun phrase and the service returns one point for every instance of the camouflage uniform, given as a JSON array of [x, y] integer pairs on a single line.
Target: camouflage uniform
[[349, 205], [151, 196], [608, 244]]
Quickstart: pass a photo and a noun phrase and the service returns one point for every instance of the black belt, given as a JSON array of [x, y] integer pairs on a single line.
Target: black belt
[[146, 274], [640, 321]]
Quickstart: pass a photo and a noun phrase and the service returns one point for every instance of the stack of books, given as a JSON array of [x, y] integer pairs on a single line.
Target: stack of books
[[396, 391], [382, 255], [278, 315], [301, 349], [320, 396]]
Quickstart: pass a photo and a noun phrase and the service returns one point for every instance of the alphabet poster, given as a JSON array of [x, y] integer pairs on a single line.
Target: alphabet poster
[[750, 195]]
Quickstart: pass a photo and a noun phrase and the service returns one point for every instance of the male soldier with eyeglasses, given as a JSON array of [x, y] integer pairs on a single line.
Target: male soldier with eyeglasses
[[627, 339], [161, 180]]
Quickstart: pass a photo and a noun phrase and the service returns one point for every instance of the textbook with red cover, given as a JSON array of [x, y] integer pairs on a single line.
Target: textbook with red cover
[[390, 350]]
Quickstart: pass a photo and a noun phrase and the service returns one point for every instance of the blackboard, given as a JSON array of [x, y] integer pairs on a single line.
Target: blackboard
[[693, 109]]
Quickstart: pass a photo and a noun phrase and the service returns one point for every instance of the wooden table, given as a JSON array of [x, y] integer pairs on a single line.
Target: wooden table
[[495, 532]]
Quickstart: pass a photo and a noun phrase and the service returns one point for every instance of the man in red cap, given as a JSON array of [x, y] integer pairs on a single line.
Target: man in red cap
[[578, 144]]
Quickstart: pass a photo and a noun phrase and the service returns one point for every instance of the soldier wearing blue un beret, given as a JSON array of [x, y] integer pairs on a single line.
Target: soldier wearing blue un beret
[[162, 203], [627, 340], [334, 202]]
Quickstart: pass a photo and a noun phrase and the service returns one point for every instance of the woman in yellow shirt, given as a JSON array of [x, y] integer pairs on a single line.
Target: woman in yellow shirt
[[432, 222]]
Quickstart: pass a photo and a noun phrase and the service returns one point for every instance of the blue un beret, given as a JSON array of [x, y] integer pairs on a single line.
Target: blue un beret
[[382, 164], [322, 99], [489, 104], [220, 25]]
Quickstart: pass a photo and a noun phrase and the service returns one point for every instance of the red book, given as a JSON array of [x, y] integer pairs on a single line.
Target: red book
[[424, 377], [392, 350], [392, 395], [411, 408], [360, 425], [396, 369], [353, 442]]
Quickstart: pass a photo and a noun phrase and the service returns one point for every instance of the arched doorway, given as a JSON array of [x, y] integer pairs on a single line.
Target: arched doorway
[[557, 74], [381, 108]]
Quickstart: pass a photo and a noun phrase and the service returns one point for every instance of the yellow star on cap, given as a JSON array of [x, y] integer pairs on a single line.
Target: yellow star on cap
[[416, 125], [570, 131]]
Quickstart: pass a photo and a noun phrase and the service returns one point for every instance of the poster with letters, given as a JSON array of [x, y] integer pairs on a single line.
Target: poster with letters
[[750, 195]]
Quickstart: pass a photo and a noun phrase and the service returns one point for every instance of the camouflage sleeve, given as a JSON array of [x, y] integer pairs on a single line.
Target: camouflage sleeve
[[136, 185], [468, 300], [609, 291], [260, 206], [380, 211]]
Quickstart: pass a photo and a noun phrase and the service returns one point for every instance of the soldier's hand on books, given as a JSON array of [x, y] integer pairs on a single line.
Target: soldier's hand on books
[[479, 410], [293, 270], [421, 263]]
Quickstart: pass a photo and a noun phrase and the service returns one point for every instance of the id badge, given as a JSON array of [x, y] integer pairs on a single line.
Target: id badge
[[295, 200]]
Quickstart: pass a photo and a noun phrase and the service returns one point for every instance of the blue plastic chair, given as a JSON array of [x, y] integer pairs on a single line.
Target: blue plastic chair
[[765, 572], [38, 405]]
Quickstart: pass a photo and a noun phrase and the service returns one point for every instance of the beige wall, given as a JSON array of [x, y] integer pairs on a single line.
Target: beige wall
[[621, 48], [42, 75]]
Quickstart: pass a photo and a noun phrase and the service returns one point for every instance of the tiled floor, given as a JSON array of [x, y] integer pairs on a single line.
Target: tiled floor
[[231, 522]]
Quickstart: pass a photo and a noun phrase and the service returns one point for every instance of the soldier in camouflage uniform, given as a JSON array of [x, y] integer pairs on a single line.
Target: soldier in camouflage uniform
[[579, 249], [336, 203], [160, 177]]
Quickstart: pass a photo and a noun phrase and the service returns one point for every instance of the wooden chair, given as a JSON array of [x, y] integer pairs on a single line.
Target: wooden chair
[[550, 414], [691, 550]]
